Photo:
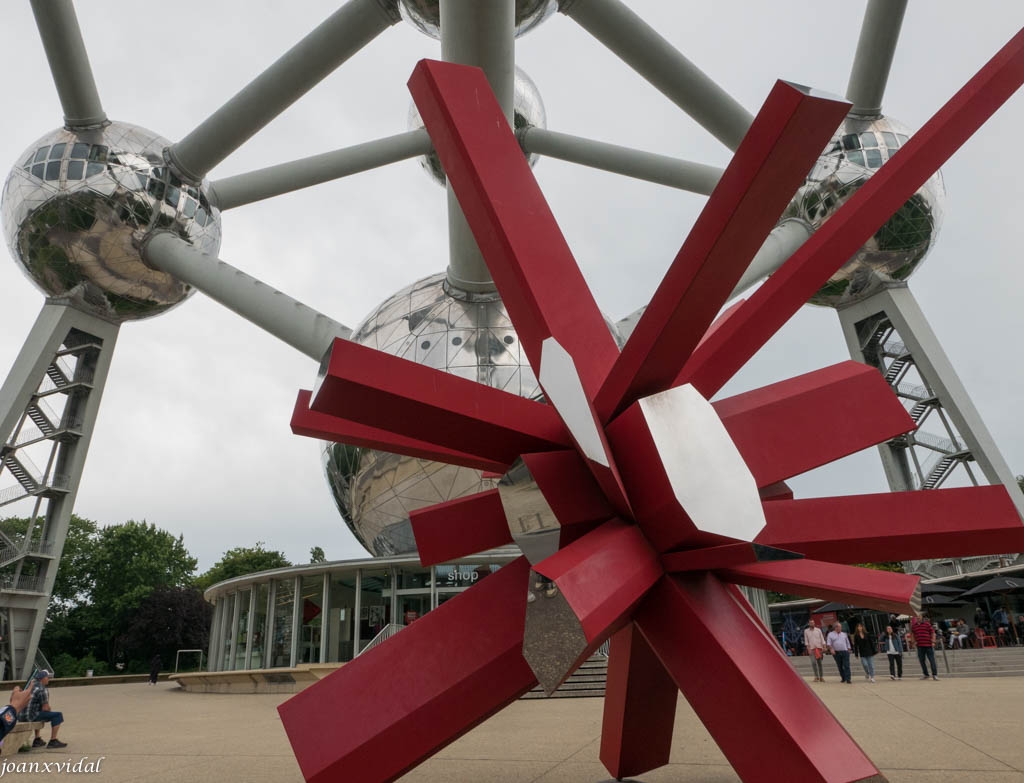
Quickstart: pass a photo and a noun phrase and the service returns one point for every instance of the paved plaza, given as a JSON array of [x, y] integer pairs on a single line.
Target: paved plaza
[[916, 732]]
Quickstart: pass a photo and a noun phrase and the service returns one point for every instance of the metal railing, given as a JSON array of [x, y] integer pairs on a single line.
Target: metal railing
[[31, 584], [386, 633], [938, 443], [913, 391]]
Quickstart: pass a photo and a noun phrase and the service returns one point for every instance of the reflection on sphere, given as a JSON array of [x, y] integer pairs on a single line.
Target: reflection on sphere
[[75, 206], [856, 151], [472, 338]]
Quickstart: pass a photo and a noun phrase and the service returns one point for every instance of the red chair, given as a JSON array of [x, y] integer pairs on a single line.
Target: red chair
[[984, 640]]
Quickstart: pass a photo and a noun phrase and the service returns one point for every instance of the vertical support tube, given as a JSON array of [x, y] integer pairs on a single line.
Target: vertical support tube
[[393, 572], [480, 34], [214, 626], [296, 621], [233, 648], [69, 63], [268, 640], [325, 608], [433, 588], [875, 49], [358, 612], [250, 626]]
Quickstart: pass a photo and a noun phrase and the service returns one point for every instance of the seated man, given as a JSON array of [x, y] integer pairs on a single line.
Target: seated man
[[39, 710]]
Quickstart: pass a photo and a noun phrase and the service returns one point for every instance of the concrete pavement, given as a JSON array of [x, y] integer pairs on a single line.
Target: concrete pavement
[[915, 731]]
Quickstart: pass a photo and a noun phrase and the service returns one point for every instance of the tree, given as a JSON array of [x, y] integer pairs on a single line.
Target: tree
[[131, 560], [316, 555], [103, 578], [168, 619], [240, 561], [73, 576]]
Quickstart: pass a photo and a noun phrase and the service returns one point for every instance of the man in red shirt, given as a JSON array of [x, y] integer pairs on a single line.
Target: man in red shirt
[[924, 638]]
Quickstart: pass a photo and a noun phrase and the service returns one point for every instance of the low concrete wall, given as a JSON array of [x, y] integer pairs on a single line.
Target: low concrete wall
[[255, 680], [114, 679]]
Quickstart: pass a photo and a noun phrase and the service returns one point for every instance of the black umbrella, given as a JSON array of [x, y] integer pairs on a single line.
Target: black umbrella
[[941, 600], [1000, 584], [834, 606], [940, 589]]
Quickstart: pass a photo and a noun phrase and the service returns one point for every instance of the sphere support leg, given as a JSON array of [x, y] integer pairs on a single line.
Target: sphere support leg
[[48, 408], [889, 331]]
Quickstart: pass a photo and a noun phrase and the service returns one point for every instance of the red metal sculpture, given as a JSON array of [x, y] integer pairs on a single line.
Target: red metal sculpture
[[659, 501]]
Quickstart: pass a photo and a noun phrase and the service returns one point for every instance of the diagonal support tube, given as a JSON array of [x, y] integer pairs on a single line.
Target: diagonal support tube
[[644, 49], [298, 70], [69, 62], [289, 320], [875, 49], [660, 169], [253, 186]]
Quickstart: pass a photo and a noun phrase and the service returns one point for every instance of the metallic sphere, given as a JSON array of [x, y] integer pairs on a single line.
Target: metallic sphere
[[472, 338], [857, 150], [425, 15], [527, 111], [75, 205]]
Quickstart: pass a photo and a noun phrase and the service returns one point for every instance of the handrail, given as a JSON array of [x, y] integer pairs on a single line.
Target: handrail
[[946, 445], [386, 633]]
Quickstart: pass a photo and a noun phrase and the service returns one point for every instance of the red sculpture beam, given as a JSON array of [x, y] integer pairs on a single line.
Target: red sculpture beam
[[781, 146], [722, 355], [793, 426], [460, 527], [897, 525], [639, 707], [380, 715], [882, 590], [537, 277], [599, 579], [756, 707], [396, 394], [338, 429]]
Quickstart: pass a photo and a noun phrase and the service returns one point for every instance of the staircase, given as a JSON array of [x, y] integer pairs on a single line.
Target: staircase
[[588, 680], [988, 662]]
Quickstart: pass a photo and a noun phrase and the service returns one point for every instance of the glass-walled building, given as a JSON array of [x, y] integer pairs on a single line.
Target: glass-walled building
[[329, 612]]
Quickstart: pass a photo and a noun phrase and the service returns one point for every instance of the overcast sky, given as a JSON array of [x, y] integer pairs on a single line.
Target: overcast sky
[[193, 432]]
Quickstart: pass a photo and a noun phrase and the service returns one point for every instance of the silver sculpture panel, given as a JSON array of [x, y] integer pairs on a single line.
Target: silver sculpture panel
[[709, 477], [534, 527], [76, 204], [857, 150]]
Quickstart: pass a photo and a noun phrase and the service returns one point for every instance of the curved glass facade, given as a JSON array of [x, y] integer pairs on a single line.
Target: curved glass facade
[[329, 612]]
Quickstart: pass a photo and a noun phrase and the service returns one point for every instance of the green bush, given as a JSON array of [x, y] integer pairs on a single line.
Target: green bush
[[65, 665]]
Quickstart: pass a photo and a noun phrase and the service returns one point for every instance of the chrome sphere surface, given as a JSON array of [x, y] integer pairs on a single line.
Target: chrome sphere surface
[[527, 111], [75, 205], [472, 338], [425, 15], [858, 149]]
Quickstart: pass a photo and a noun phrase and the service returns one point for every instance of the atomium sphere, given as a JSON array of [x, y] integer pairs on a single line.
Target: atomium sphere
[[472, 338], [857, 150], [527, 111], [425, 15], [76, 204]]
